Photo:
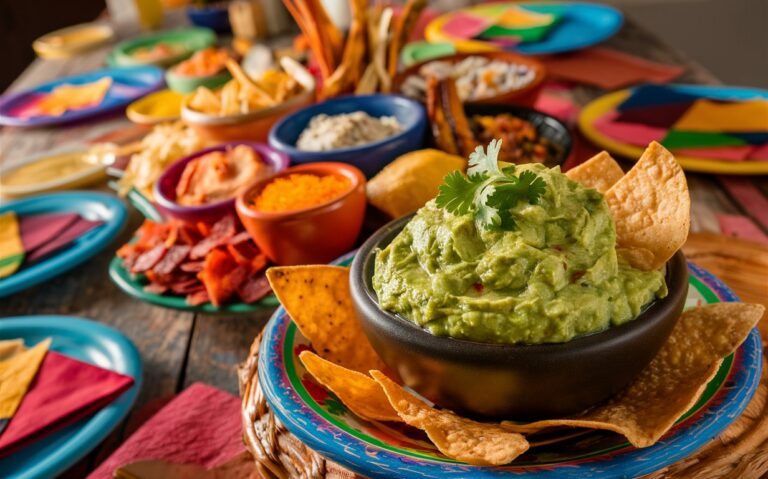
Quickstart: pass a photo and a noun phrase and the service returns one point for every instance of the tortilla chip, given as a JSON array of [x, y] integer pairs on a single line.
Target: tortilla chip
[[10, 348], [651, 206], [361, 394], [458, 438], [71, 97], [406, 184], [640, 258], [317, 298], [599, 172], [673, 381]]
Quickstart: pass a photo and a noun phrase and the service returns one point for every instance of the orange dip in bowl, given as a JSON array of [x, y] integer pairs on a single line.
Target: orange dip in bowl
[[219, 175], [299, 191]]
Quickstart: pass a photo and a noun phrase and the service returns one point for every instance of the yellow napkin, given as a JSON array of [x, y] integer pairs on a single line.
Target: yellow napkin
[[69, 97], [11, 248], [16, 374], [711, 116], [10, 348]]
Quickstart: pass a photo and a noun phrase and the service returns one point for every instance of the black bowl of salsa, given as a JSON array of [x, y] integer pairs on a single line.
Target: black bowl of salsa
[[528, 136], [517, 382]]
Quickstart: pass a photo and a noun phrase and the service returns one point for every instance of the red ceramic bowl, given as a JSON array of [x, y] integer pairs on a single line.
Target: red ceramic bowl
[[313, 235], [525, 96]]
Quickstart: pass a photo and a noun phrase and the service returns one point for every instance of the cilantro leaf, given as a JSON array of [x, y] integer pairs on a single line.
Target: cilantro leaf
[[457, 193], [482, 162], [485, 214], [490, 190]]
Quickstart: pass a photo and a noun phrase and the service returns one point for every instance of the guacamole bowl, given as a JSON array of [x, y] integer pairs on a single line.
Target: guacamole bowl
[[511, 381]]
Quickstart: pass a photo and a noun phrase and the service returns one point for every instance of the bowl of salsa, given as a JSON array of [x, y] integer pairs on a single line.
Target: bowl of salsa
[[203, 186]]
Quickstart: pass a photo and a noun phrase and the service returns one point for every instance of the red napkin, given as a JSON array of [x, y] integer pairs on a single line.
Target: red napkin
[[63, 238], [64, 391], [608, 69], [202, 425], [37, 230]]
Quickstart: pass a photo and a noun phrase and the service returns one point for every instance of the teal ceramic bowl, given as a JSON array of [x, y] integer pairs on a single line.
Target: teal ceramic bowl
[[188, 41], [188, 83]]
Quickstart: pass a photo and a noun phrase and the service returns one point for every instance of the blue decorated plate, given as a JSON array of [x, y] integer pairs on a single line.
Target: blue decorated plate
[[128, 84], [87, 341], [320, 420], [90, 205], [581, 25]]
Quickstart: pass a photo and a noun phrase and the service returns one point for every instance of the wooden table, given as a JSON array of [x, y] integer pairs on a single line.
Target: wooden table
[[180, 348]]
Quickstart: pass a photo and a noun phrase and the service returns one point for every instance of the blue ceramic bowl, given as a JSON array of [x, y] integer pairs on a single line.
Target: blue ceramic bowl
[[165, 187], [215, 17], [370, 158]]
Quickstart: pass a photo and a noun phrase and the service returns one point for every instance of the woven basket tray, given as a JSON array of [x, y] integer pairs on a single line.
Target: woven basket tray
[[740, 452]]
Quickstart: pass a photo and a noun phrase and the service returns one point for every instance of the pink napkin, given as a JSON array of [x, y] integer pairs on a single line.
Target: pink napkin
[[465, 25], [556, 105], [741, 227], [760, 153], [36, 230], [64, 391], [200, 426], [748, 195], [629, 133], [608, 69], [728, 153], [63, 238]]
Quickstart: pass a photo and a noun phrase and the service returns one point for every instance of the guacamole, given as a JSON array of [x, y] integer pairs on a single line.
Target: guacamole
[[554, 277]]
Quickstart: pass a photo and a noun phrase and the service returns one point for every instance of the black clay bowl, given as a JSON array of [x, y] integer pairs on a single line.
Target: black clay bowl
[[522, 382], [547, 126]]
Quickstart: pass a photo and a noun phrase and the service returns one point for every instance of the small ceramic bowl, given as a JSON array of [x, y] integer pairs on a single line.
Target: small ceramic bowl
[[525, 96], [370, 158], [312, 235], [523, 382], [253, 126], [547, 126], [215, 17], [165, 187], [189, 83]]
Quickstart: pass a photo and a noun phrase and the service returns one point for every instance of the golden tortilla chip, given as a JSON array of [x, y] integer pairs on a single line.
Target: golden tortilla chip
[[70, 97], [361, 394], [406, 184], [10, 348], [458, 438], [599, 172], [317, 298], [673, 381], [651, 206]]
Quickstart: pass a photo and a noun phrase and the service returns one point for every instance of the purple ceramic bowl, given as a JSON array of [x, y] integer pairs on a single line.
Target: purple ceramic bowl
[[165, 187]]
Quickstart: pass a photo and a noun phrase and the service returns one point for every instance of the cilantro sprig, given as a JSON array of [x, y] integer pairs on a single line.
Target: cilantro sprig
[[488, 190]]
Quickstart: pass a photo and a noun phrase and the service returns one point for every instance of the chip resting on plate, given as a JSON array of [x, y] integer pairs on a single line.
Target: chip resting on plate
[[672, 383], [651, 207], [317, 299], [361, 394], [457, 437], [599, 172]]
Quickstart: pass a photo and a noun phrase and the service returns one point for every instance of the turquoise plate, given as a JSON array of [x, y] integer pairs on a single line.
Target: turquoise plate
[[90, 205], [87, 341], [321, 421], [133, 285]]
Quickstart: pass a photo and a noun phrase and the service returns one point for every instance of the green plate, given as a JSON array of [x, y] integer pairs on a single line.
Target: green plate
[[133, 285], [188, 84], [188, 39]]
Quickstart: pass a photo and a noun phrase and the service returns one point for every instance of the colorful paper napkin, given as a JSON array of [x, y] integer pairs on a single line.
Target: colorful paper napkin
[[608, 69], [64, 391], [11, 247], [630, 133], [466, 25], [662, 116], [37, 230], [16, 374], [654, 95], [718, 116], [202, 425], [80, 227], [678, 139]]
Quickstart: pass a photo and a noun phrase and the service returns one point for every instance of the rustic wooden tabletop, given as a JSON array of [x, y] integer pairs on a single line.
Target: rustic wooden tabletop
[[180, 348]]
